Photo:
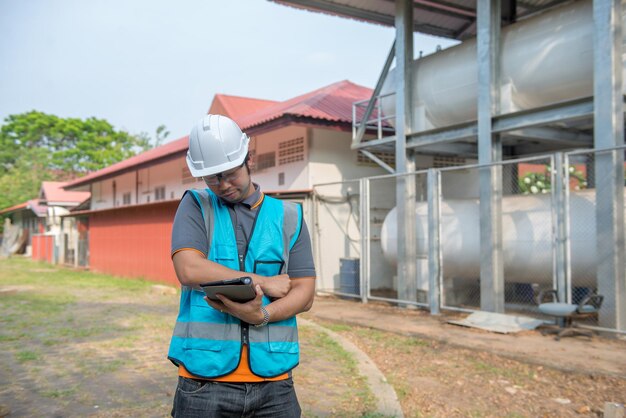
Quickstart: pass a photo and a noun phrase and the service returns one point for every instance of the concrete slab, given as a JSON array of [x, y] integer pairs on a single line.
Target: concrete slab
[[497, 322]]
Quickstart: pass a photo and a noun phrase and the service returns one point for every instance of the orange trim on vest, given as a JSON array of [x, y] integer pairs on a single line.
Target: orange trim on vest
[[185, 249], [258, 203], [242, 373]]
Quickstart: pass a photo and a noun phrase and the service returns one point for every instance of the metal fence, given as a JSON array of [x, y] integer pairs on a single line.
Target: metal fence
[[528, 221], [337, 237], [585, 230], [549, 235]]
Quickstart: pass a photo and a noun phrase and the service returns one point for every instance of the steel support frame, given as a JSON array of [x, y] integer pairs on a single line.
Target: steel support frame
[[364, 271], [435, 255], [405, 163], [489, 150], [560, 226], [609, 166], [358, 135], [529, 123]]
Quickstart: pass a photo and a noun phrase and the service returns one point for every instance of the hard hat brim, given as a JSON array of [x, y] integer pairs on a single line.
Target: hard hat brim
[[210, 171]]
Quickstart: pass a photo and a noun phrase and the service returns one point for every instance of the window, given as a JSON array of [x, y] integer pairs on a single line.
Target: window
[[291, 151], [266, 160], [281, 179], [159, 193], [126, 198]]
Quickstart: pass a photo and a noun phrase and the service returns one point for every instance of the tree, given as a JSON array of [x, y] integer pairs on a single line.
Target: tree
[[76, 146], [161, 134], [35, 146], [23, 181]]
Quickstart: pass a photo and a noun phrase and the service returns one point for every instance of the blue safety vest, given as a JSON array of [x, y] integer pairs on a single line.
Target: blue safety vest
[[208, 342]]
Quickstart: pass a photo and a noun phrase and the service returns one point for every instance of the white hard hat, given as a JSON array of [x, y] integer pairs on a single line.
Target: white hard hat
[[216, 144]]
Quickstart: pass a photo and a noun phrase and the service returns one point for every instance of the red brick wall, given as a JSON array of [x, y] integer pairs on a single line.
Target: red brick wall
[[133, 241]]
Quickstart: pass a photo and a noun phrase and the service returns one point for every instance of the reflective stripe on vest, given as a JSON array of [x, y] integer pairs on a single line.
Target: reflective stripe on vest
[[208, 342]]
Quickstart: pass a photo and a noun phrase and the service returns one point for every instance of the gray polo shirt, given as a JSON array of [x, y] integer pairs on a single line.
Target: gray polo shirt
[[189, 232]]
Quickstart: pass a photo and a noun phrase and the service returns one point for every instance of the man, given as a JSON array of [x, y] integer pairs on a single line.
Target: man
[[235, 359]]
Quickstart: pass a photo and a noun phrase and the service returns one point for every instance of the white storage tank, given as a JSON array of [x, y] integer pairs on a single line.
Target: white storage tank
[[545, 59], [527, 236]]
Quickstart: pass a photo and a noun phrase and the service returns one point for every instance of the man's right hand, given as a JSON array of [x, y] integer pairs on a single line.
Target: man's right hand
[[274, 286]]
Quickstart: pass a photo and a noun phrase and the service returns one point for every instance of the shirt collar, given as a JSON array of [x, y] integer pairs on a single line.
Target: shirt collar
[[251, 200]]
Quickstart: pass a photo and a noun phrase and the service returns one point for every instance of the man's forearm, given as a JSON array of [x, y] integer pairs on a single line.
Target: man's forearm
[[298, 300], [192, 270]]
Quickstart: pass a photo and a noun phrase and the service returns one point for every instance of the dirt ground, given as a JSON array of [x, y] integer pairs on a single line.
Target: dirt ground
[[443, 370], [80, 344]]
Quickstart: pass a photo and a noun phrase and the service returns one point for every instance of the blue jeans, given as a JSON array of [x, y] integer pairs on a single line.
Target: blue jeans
[[219, 399]]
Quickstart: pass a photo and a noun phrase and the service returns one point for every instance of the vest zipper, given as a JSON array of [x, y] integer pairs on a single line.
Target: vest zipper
[[245, 327], [244, 333]]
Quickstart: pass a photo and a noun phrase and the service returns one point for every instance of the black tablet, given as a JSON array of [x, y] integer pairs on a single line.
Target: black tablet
[[238, 290]]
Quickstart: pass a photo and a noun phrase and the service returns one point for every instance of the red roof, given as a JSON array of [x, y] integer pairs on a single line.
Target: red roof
[[237, 107], [52, 192], [178, 146], [331, 103], [33, 204]]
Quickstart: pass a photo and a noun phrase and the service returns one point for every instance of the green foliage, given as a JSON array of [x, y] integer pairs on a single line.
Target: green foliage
[[36, 146], [75, 145], [535, 183], [161, 134], [23, 180]]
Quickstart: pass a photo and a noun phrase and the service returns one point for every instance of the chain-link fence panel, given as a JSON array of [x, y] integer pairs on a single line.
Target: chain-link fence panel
[[527, 222], [337, 237], [582, 225], [590, 178], [382, 265], [384, 228], [528, 227], [460, 238]]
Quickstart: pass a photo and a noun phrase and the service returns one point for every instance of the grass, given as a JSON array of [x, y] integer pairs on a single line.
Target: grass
[[23, 272], [56, 393], [94, 339], [338, 327], [111, 366], [24, 356], [356, 399], [499, 372]]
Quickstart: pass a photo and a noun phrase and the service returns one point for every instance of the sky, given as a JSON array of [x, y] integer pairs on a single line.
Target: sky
[[144, 63]]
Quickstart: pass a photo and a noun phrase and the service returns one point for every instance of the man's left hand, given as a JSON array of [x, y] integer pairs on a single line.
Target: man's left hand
[[249, 312]]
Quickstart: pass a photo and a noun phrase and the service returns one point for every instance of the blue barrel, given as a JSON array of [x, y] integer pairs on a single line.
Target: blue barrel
[[349, 281]]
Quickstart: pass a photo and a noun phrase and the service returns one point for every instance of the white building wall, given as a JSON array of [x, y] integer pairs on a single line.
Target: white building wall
[[331, 159], [294, 174], [143, 185]]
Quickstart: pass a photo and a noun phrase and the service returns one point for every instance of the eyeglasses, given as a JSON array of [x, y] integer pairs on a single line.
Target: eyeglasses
[[228, 176]]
